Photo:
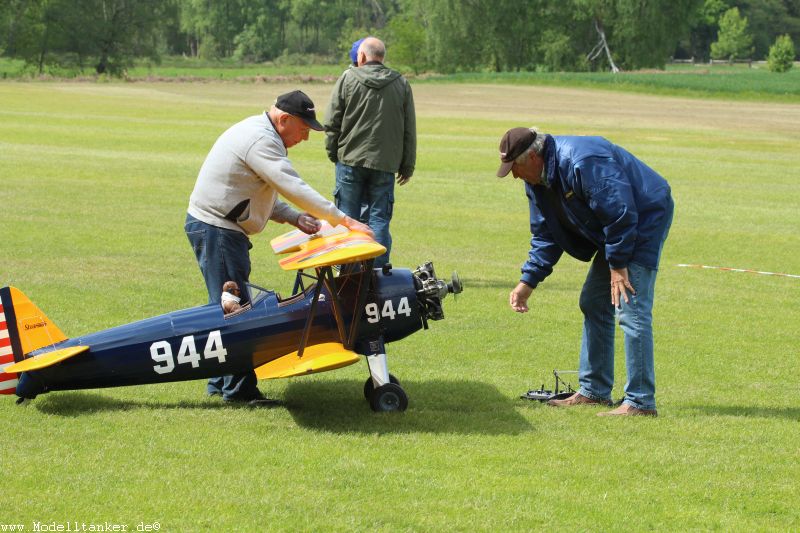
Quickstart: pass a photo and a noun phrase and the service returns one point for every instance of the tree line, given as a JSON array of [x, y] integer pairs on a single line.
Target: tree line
[[421, 35]]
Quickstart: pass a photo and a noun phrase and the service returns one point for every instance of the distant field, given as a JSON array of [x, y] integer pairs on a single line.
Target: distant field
[[178, 68], [737, 82], [95, 181]]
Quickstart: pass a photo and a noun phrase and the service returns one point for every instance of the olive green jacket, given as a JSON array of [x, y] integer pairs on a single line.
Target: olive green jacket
[[371, 121]]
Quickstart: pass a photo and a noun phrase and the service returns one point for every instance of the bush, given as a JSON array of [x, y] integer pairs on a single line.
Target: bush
[[733, 39], [781, 54]]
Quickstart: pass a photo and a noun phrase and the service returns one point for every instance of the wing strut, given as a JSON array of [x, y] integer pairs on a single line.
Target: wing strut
[[326, 275], [325, 278], [310, 319], [363, 291]]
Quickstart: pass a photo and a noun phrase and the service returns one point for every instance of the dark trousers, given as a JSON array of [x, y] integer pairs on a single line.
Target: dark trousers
[[223, 255]]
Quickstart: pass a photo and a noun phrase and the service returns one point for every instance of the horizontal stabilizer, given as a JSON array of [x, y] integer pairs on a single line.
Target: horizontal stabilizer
[[316, 358], [44, 360]]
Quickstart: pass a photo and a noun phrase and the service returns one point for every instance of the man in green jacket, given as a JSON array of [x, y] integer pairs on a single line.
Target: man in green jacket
[[371, 135]]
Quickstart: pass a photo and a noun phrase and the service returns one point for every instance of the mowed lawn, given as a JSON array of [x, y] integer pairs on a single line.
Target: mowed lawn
[[94, 183]]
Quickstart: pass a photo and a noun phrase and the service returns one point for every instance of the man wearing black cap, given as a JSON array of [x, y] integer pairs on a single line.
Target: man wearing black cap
[[591, 198], [237, 192]]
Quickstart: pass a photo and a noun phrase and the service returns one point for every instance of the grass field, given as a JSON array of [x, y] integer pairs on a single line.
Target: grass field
[[95, 181]]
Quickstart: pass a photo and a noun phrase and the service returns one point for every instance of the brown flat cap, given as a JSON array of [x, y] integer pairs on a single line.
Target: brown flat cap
[[513, 143]]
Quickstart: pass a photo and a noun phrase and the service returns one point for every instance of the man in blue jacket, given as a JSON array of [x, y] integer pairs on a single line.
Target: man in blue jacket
[[591, 198]]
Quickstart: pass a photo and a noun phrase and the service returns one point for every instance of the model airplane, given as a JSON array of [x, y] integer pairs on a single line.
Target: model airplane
[[328, 322]]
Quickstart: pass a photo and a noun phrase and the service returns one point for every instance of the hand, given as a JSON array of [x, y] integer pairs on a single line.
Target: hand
[[620, 285], [518, 299], [355, 225], [402, 179], [308, 224]]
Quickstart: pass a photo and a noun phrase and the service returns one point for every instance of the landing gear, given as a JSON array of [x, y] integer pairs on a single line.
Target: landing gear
[[388, 397], [382, 390], [369, 386]]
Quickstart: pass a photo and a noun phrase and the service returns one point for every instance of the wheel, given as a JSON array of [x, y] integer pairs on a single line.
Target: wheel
[[369, 386], [388, 397]]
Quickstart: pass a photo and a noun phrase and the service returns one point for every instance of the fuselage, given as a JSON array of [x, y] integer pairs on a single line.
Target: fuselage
[[202, 342]]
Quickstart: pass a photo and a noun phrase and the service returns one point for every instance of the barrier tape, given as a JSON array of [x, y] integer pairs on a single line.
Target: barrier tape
[[730, 269]]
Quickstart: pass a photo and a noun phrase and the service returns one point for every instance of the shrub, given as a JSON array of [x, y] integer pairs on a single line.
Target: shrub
[[733, 39], [781, 54]]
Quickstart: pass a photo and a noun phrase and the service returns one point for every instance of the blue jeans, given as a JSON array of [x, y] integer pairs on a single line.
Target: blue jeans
[[223, 255], [373, 188], [596, 373]]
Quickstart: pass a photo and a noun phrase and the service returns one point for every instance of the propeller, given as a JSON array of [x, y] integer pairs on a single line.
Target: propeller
[[455, 286]]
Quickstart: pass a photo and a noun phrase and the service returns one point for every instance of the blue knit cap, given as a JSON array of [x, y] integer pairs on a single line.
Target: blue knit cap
[[354, 51]]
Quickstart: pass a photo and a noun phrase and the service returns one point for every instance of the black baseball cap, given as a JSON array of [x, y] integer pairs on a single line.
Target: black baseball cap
[[513, 143], [298, 104]]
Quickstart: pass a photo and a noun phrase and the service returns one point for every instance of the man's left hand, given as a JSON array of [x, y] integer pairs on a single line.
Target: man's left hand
[[402, 179], [620, 285], [518, 299], [308, 224]]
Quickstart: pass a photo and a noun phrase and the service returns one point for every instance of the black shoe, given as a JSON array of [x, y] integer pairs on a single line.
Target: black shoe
[[258, 401], [264, 402]]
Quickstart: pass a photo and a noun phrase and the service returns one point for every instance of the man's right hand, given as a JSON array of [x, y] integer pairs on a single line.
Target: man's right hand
[[518, 299], [355, 225]]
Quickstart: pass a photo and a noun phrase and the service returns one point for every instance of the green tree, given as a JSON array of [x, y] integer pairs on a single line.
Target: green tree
[[69, 33], [733, 41], [514, 31], [455, 34], [768, 19], [114, 31], [212, 27], [31, 32], [406, 42], [704, 24], [781, 54], [468, 35], [633, 33], [264, 34]]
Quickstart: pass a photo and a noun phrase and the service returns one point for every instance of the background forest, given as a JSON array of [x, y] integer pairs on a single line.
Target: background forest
[[446, 36]]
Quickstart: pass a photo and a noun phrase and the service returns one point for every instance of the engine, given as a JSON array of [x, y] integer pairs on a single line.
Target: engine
[[431, 291]]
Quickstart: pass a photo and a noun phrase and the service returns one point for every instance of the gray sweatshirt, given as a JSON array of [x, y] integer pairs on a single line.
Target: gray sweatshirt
[[242, 176]]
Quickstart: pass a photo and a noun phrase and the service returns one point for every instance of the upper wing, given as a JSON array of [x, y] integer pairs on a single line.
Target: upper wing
[[336, 247], [291, 241]]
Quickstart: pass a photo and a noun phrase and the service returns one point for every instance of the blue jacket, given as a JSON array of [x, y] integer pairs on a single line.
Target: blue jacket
[[600, 198]]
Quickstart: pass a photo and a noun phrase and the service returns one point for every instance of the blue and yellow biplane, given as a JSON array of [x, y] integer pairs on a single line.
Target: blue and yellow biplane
[[330, 321]]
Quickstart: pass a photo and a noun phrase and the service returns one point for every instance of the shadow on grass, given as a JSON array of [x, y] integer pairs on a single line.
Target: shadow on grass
[[479, 283], [748, 411], [73, 404], [459, 407]]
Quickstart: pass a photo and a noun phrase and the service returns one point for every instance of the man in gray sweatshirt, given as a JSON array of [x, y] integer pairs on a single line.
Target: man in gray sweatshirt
[[371, 135], [236, 193]]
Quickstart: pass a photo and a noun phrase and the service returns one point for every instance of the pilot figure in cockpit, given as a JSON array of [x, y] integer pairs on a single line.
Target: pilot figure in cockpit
[[230, 297]]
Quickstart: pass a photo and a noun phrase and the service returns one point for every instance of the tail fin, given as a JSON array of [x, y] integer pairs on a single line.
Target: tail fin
[[23, 329]]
